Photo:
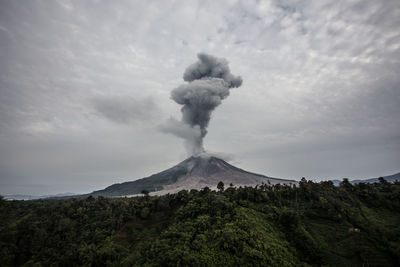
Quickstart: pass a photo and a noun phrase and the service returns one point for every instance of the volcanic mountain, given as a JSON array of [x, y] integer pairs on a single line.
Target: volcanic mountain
[[195, 172]]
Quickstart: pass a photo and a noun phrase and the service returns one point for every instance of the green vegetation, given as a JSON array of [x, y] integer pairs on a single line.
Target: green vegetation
[[313, 224]]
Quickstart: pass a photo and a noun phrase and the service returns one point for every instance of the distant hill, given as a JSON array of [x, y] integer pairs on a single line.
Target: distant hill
[[30, 197], [390, 178], [193, 173]]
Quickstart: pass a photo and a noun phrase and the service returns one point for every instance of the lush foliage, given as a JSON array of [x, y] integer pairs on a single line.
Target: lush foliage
[[310, 224]]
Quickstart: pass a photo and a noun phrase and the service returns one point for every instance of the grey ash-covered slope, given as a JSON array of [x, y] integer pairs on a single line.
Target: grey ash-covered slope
[[192, 173]]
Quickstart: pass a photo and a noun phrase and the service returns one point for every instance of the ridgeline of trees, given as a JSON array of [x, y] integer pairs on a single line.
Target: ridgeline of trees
[[310, 224]]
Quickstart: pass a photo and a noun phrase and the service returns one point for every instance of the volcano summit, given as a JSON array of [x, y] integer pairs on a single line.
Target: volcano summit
[[195, 172]]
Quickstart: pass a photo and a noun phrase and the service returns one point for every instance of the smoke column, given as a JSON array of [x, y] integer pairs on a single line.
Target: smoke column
[[209, 81]]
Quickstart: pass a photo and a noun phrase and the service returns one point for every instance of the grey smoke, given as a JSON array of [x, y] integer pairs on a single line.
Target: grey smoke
[[124, 109], [190, 135], [211, 67], [209, 81]]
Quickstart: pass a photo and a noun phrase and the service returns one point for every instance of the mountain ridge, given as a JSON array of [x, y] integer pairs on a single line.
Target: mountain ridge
[[195, 172], [389, 178]]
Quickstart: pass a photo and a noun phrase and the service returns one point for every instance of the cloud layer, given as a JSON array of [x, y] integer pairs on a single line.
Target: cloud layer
[[320, 97]]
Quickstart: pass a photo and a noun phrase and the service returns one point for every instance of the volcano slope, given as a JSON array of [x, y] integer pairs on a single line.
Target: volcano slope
[[195, 172]]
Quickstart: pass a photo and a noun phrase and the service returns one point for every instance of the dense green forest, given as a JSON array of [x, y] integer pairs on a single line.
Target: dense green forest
[[310, 224]]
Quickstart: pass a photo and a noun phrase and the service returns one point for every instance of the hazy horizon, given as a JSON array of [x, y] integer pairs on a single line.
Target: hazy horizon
[[132, 179], [85, 87]]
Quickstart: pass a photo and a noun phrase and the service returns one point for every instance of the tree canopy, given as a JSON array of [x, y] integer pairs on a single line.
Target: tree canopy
[[280, 225]]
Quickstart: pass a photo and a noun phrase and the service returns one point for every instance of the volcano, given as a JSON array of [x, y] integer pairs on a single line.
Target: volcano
[[195, 172]]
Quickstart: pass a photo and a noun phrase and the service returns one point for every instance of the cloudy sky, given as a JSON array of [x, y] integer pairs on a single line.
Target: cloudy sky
[[85, 86]]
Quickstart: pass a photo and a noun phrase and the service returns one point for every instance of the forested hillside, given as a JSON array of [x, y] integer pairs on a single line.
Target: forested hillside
[[311, 224]]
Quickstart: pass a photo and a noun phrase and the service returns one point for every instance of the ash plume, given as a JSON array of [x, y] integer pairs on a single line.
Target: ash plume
[[209, 81]]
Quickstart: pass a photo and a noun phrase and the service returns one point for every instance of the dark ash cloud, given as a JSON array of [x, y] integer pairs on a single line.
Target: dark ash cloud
[[209, 80], [212, 67]]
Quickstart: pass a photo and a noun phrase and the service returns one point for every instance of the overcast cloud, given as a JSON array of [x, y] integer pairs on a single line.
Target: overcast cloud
[[85, 86]]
